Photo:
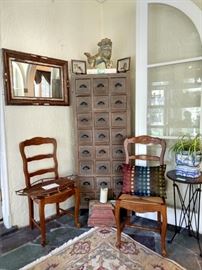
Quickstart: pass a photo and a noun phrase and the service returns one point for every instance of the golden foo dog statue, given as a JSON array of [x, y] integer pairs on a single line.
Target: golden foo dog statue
[[103, 55]]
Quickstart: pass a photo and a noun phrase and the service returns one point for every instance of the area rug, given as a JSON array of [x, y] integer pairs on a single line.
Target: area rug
[[96, 250]]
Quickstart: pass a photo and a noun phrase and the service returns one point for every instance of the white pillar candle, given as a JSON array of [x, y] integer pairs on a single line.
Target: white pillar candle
[[103, 195]]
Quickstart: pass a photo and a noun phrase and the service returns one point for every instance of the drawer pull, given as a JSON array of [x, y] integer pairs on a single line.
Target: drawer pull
[[86, 183], [118, 168], [101, 103], [119, 183], [100, 85], [103, 183], [82, 86], [84, 120], [84, 136], [119, 135], [86, 152], [118, 84], [118, 102], [87, 199], [102, 151], [119, 151], [118, 119], [101, 119], [101, 136], [83, 103], [102, 168], [86, 168]]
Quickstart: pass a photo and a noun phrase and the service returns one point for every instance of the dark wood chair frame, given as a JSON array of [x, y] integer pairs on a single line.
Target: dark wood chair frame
[[133, 203], [55, 197]]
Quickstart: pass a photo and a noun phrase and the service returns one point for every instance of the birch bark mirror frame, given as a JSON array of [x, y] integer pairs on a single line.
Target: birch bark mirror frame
[[31, 79]]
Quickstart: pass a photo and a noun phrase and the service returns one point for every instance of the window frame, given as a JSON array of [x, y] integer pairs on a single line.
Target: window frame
[[142, 66]]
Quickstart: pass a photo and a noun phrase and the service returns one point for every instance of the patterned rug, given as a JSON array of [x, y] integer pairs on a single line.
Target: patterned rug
[[96, 250]]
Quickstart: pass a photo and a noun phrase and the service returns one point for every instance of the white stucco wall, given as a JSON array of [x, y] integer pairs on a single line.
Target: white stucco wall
[[64, 30], [119, 24], [60, 29]]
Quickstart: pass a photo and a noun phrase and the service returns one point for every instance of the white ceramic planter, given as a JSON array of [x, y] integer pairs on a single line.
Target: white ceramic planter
[[188, 165]]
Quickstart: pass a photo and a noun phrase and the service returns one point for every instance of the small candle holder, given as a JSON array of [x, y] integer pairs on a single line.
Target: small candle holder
[[103, 195]]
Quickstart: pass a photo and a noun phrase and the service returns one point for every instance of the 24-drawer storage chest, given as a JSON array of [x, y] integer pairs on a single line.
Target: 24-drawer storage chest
[[102, 121]]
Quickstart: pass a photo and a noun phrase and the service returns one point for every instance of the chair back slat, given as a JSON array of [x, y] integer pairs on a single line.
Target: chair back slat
[[38, 157]]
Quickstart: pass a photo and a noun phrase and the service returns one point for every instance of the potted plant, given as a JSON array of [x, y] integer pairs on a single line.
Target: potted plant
[[188, 155]]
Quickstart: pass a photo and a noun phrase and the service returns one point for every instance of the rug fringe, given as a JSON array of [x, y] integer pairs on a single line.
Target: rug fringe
[[56, 250]]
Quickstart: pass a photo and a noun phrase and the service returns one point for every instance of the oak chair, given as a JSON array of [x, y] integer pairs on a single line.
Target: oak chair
[[148, 196], [43, 184]]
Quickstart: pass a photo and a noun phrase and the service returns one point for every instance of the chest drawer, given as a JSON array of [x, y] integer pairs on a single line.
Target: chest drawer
[[101, 103], [84, 120], [118, 182], [118, 102], [86, 183], [85, 152], [86, 167], [102, 167], [118, 85], [119, 119], [118, 152], [85, 136], [101, 86], [118, 136], [117, 167], [101, 136], [102, 152], [86, 197], [103, 182], [101, 119], [83, 104], [83, 87]]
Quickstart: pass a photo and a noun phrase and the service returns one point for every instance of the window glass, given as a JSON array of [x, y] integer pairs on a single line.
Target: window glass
[[171, 35], [174, 99]]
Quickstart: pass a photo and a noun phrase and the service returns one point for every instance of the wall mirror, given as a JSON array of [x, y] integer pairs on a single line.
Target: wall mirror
[[35, 80]]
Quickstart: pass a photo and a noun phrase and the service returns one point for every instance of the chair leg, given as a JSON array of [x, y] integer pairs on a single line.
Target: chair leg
[[159, 217], [128, 216], [76, 208], [31, 213], [57, 209], [42, 223], [163, 230], [118, 224]]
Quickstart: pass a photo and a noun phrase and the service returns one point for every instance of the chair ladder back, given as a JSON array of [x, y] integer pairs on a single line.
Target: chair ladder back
[[26, 160], [144, 140], [144, 186]]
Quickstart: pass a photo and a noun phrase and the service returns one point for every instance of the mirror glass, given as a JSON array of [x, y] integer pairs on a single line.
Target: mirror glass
[[35, 80]]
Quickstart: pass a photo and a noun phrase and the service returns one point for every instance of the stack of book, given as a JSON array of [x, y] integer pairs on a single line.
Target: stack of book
[[101, 215]]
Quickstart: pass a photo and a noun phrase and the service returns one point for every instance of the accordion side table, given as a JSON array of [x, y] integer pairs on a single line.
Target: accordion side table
[[190, 202]]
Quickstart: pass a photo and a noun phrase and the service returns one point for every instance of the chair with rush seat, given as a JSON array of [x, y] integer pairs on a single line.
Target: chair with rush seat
[[143, 185], [43, 184]]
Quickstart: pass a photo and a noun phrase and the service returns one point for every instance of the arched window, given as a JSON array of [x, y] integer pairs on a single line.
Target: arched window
[[169, 58], [168, 72]]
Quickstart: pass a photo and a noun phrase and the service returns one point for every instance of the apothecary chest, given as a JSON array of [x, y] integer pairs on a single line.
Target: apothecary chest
[[102, 121]]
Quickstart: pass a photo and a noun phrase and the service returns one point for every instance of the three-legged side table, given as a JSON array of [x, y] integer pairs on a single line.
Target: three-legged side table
[[190, 201]]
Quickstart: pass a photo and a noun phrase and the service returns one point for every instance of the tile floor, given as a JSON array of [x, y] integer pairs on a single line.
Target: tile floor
[[18, 247]]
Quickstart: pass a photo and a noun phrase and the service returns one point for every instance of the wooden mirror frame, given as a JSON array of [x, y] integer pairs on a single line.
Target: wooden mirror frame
[[11, 99]]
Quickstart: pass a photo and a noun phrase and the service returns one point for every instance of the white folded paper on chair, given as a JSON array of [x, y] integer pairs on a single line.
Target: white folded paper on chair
[[53, 185]]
